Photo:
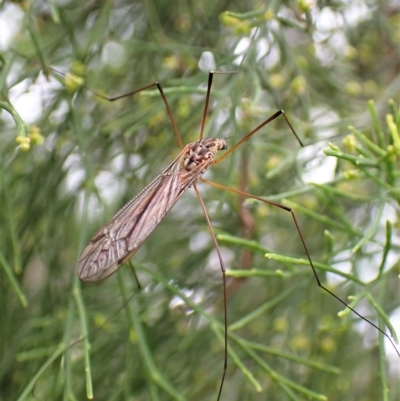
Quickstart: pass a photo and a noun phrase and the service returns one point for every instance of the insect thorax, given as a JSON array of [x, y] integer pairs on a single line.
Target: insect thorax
[[202, 151]]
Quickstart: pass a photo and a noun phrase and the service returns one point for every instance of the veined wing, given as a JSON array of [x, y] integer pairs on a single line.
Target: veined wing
[[118, 240]]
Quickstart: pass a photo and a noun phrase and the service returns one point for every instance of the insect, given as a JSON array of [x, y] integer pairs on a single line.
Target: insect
[[118, 240]]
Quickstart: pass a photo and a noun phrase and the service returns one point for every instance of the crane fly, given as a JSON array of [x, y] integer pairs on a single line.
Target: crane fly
[[118, 240]]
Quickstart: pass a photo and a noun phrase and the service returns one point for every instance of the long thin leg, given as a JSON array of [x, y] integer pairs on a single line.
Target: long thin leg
[[171, 117], [134, 273], [112, 99], [203, 121], [288, 209], [221, 261], [245, 138]]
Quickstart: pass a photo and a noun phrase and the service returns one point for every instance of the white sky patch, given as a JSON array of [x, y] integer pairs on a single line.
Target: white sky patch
[[393, 358], [213, 263], [73, 160], [57, 115], [356, 12], [207, 62], [273, 57], [389, 214], [135, 160], [94, 208], [128, 33], [324, 119], [328, 20], [215, 206], [219, 120], [324, 54], [329, 27], [29, 98], [343, 265], [23, 105], [109, 187], [11, 17], [320, 36], [262, 47], [199, 241], [74, 178], [118, 164], [320, 170], [113, 54], [50, 142], [178, 302], [75, 173], [370, 334], [241, 49], [368, 266], [338, 41]]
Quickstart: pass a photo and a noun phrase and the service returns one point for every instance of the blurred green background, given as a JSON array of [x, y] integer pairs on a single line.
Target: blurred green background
[[69, 160]]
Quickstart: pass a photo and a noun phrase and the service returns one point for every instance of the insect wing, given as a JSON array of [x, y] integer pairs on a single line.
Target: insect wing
[[118, 240]]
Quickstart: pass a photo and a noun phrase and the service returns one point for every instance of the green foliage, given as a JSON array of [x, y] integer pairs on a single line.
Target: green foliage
[[66, 170]]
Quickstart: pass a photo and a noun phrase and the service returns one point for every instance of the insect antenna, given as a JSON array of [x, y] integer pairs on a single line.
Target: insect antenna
[[206, 103]]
